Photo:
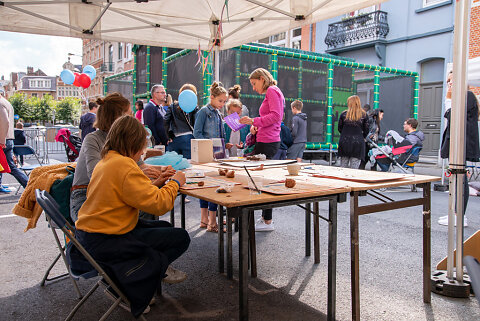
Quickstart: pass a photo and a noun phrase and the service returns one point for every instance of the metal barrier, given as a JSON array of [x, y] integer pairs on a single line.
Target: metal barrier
[[42, 140]]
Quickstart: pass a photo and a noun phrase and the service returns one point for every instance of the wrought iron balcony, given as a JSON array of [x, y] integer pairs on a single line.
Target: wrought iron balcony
[[107, 67], [362, 28]]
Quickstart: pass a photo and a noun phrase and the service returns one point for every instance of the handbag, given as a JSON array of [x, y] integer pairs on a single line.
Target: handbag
[[60, 191], [3, 162]]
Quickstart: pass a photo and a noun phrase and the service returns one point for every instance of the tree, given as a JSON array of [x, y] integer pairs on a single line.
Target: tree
[[43, 108], [68, 109], [21, 107]]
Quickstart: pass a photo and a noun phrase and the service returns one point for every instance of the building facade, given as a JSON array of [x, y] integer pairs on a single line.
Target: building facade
[[108, 58], [37, 86], [415, 35]]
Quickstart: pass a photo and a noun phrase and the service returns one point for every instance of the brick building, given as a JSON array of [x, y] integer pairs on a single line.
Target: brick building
[[474, 44]]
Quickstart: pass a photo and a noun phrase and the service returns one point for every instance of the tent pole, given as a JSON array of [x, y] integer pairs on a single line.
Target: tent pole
[[217, 64], [457, 131]]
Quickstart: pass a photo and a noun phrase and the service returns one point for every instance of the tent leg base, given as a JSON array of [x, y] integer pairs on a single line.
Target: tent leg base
[[442, 285]]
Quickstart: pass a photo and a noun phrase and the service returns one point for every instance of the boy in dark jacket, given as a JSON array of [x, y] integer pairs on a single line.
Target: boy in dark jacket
[[299, 132], [285, 141]]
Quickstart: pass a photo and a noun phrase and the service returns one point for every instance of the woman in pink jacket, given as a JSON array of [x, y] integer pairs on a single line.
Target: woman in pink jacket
[[268, 125]]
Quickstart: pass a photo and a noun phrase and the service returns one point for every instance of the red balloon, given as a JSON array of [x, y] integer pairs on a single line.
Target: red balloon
[[84, 80], [76, 82]]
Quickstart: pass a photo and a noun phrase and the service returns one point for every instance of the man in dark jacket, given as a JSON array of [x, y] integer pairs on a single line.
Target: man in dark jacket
[[87, 120], [472, 150], [299, 132], [154, 115]]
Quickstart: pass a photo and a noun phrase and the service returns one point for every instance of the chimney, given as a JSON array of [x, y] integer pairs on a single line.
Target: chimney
[[29, 71]]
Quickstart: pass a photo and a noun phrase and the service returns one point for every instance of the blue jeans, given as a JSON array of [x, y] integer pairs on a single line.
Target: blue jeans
[[181, 145], [211, 206], [281, 154], [17, 173]]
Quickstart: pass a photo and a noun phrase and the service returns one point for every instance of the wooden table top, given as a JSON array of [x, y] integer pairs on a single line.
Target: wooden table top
[[367, 180], [241, 196]]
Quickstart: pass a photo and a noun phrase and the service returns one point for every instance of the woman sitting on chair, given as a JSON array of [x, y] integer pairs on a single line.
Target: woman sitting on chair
[[135, 252]]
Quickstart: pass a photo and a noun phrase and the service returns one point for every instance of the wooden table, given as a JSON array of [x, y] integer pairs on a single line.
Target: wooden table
[[240, 204]]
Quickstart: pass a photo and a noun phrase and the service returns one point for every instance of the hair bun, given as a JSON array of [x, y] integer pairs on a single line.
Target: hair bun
[[237, 88], [100, 101]]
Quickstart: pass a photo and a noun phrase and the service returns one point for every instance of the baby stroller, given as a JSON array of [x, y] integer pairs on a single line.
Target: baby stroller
[[71, 143], [401, 154]]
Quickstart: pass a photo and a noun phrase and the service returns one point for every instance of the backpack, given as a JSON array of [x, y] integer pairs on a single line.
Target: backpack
[[60, 191]]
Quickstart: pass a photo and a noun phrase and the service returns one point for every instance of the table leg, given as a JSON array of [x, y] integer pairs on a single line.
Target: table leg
[[308, 228], [316, 233], [172, 216], [182, 213], [243, 265], [221, 246], [354, 252], [229, 245], [427, 260], [253, 249], [332, 259]]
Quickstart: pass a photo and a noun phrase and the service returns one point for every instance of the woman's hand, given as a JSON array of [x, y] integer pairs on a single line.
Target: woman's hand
[[239, 146], [228, 145], [164, 176], [253, 130], [180, 177], [151, 171], [246, 120]]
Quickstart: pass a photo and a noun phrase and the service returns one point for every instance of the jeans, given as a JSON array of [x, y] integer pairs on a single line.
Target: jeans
[[171, 241], [181, 145], [281, 154], [211, 206], [17, 173]]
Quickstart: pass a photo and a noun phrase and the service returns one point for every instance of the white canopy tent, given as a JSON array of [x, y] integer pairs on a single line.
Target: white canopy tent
[[188, 24]]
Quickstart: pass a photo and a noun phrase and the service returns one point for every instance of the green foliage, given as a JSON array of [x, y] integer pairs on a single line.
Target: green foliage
[[20, 107], [42, 107], [68, 110]]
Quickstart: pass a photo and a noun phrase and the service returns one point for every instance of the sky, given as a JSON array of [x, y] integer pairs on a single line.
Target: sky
[[48, 53]]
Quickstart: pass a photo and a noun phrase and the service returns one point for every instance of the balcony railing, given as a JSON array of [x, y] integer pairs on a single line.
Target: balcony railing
[[107, 67], [362, 28]]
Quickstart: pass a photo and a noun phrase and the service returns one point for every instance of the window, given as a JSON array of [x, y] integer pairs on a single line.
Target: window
[[428, 3], [110, 54], [277, 37], [297, 32], [120, 51], [34, 94]]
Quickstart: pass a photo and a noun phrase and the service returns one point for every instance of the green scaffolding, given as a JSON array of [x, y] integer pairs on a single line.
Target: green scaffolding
[[335, 96]]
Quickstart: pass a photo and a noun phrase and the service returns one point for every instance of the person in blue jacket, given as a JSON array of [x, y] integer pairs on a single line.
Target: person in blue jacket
[[286, 141]]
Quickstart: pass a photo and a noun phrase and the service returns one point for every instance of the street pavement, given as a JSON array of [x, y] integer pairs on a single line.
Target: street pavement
[[289, 286]]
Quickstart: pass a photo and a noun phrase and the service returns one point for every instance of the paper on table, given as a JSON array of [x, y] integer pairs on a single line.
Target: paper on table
[[233, 121]]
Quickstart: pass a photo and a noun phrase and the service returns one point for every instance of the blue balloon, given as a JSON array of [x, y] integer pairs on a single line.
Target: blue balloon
[[16, 117], [67, 76], [90, 71], [187, 100]]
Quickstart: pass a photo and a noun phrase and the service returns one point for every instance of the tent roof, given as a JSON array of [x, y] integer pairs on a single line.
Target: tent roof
[[171, 23]]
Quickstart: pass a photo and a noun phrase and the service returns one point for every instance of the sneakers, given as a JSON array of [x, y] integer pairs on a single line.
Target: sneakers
[[113, 296], [4, 189], [261, 226], [174, 275], [444, 221]]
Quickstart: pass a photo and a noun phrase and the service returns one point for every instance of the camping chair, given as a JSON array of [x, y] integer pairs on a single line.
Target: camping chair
[[24, 150], [55, 218]]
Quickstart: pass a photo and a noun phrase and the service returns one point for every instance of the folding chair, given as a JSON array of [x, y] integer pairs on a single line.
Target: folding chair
[[55, 218], [24, 150], [410, 165]]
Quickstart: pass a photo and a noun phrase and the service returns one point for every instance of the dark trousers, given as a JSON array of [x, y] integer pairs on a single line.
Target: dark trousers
[[269, 150], [171, 241], [17, 173]]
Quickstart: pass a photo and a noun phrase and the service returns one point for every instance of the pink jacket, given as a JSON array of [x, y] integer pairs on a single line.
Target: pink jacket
[[271, 114]]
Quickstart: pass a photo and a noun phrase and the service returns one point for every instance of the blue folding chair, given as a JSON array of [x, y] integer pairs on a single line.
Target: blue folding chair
[[25, 150], [56, 220]]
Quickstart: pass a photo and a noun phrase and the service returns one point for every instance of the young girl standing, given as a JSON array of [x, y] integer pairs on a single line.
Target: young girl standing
[[208, 124]]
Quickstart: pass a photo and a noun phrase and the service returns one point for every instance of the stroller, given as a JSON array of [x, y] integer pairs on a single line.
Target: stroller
[[71, 143], [401, 154]]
